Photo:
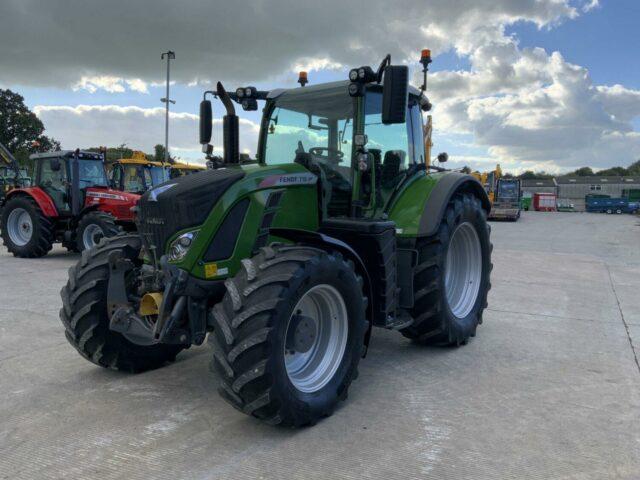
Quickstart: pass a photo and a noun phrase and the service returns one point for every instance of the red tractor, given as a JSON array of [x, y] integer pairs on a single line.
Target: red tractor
[[69, 202]]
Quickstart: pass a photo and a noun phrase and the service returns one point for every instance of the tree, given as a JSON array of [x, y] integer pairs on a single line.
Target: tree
[[613, 171], [465, 169], [21, 131], [584, 172], [530, 174], [634, 168], [159, 153]]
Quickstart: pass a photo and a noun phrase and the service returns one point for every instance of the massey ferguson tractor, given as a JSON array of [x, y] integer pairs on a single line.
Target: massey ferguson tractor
[[70, 202], [288, 261]]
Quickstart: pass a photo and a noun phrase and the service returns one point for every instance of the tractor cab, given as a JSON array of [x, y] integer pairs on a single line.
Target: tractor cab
[[137, 174], [55, 173]]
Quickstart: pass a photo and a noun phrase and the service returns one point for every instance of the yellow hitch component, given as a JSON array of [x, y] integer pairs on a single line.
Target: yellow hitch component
[[150, 304]]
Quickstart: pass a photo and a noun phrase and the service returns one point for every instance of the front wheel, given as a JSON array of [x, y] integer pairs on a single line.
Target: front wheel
[[451, 281], [85, 316], [93, 227], [289, 334]]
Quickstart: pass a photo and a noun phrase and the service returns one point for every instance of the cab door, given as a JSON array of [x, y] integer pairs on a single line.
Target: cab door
[[54, 179]]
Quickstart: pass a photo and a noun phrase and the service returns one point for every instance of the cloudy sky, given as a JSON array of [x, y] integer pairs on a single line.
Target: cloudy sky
[[532, 84]]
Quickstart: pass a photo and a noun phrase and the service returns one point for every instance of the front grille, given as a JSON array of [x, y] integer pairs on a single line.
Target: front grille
[[181, 203], [153, 227]]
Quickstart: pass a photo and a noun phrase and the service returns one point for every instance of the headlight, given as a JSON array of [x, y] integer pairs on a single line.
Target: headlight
[[353, 75], [180, 246], [240, 92]]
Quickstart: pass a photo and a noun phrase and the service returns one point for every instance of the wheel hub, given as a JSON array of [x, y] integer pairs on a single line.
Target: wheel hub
[[301, 334], [316, 338], [91, 236], [20, 227], [463, 270]]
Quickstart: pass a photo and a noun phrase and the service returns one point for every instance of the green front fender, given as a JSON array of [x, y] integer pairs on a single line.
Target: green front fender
[[297, 208]]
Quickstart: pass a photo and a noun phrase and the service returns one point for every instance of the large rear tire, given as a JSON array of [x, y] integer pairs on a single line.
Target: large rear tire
[[93, 227], [451, 280], [289, 334], [86, 320], [26, 231]]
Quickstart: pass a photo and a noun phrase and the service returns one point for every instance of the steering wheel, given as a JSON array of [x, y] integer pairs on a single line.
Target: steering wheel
[[330, 151]]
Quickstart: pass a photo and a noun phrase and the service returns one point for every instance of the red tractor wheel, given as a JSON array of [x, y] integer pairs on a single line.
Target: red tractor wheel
[[93, 227]]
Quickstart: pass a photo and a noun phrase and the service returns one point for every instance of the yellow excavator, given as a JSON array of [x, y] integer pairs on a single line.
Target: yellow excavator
[[504, 194]]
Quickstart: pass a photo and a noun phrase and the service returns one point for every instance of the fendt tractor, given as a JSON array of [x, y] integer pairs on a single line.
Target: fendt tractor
[[70, 202], [289, 260]]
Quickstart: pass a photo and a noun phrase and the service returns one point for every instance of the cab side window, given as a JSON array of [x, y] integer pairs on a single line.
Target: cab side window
[[51, 178], [388, 144], [414, 121], [54, 182], [116, 177]]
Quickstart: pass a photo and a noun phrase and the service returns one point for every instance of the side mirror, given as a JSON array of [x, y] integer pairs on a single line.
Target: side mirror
[[206, 117], [443, 157], [394, 94], [55, 164]]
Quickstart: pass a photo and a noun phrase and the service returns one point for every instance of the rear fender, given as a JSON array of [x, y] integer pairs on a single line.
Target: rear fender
[[325, 242], [436, 204], [39, 196]]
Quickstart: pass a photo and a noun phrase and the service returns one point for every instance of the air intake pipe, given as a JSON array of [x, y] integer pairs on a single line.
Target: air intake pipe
[[230, 128]]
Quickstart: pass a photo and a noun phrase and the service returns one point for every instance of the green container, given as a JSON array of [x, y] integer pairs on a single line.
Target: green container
[[633, 194], [525, 203]]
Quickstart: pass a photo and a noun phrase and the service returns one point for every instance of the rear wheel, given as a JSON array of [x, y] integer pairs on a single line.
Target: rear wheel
[[92, 228], [85, 317], [452, 278], [26, 231], [289, 334]]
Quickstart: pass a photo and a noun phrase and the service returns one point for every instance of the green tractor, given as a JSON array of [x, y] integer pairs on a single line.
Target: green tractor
[[288, 261]]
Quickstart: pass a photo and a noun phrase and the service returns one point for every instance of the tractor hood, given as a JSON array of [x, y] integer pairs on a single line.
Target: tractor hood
[[181, 203]]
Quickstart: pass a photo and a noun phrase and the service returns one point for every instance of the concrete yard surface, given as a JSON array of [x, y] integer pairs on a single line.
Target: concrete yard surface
[[548, 389]]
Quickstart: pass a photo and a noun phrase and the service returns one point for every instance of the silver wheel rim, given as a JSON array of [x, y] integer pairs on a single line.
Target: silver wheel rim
[[319, 323], [92, 235], [20, 227], [463, 270]]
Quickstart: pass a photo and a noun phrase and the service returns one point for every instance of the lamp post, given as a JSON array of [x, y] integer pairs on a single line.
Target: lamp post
[[167, 100]]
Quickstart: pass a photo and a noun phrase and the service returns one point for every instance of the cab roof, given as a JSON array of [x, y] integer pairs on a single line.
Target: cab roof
[[187, 166], [137, 161], [66, 154]]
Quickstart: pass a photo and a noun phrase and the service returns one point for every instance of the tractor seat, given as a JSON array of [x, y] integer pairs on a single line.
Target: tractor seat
[[390, 168]]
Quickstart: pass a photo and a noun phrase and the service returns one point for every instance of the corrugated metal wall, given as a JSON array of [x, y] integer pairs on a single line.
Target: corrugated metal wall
[[575, 193]]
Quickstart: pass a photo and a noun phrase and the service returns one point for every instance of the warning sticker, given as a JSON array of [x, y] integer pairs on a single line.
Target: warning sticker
[[211, 270]]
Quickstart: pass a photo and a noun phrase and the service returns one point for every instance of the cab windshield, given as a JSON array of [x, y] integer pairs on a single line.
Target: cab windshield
[[315, 123], [91, 173], [158, 175]]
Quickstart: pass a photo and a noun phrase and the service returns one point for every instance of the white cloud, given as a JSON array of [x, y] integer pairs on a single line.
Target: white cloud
[[86, 126], [590, 5], [110, 84]]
